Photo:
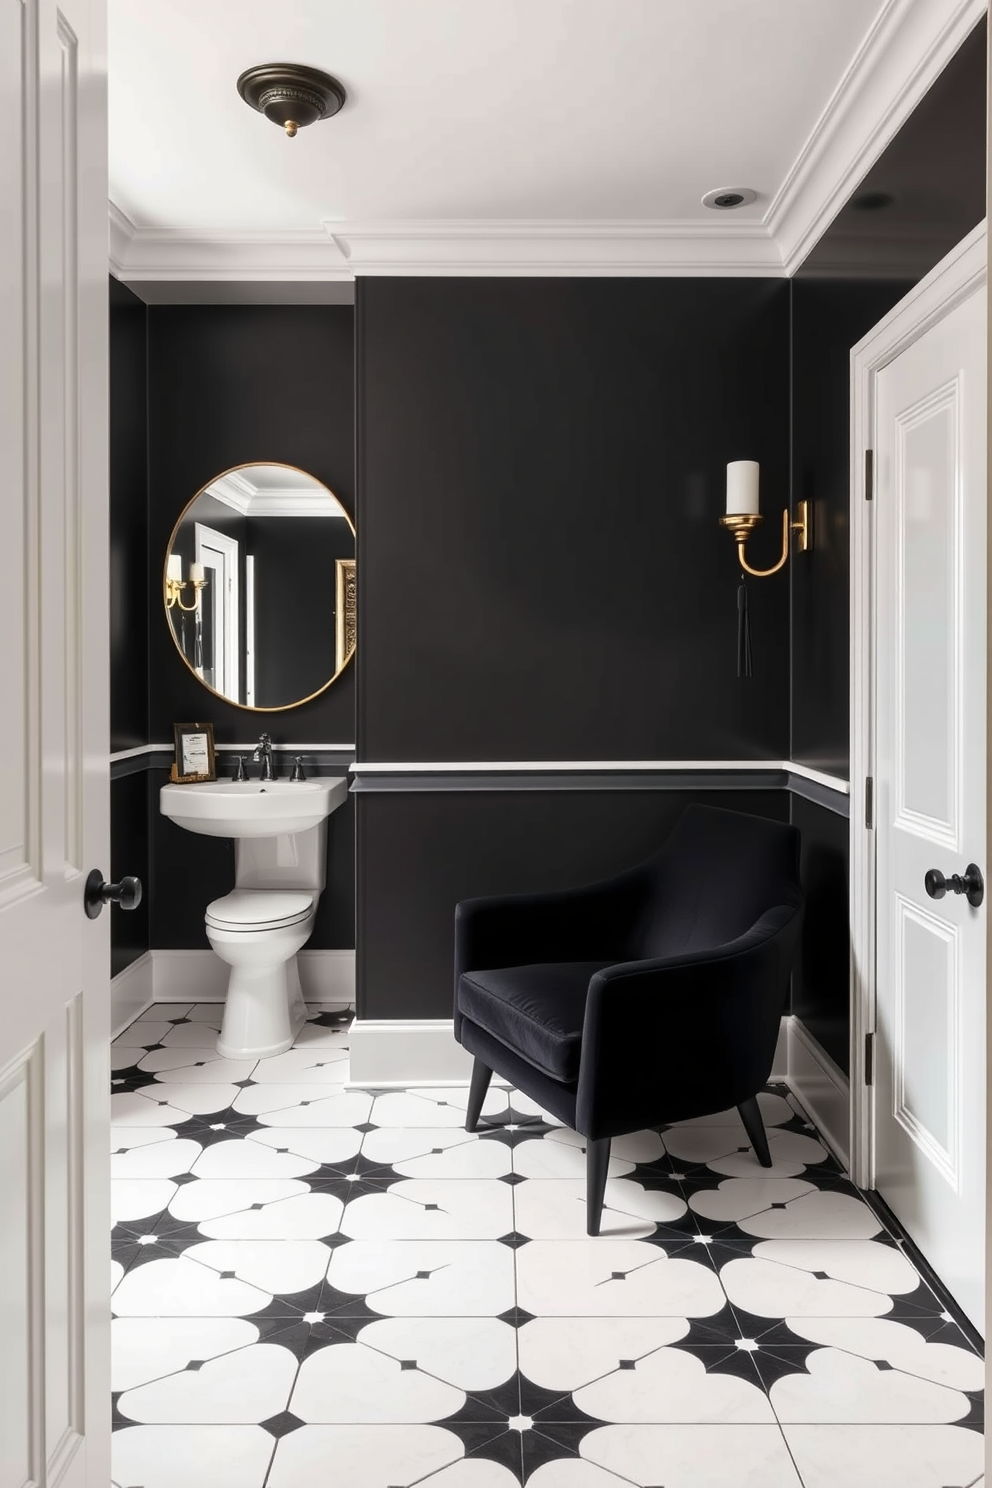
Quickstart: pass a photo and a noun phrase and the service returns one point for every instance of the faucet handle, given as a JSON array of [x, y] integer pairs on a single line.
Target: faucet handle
[[297, 768], [240, 773]]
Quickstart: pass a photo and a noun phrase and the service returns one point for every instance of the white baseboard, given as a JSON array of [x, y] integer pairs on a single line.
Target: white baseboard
[[130, 993], [200, 976], [401, 1051], [423, 1051], [821, 1088]]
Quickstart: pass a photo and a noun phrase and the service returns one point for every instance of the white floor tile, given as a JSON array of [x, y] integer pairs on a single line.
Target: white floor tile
[[416, 1108], [194, 1100], [741, 1198], [122, 1056], [116, 1272], [184, 1288], [201, 1034], [695, 1456], [351, 1383], [130, 1108], [137, 1198], [528, 1107], [547, 1157], [572, 1473], [318, 1036], [124, 1138], [145, 1349], [304, 1067], [768, 1289], [899, 1345], [671, 1385], [865, 1263], [775, 1111], [244, 1158], [239, 1388], [496, 1102], [279, 1267], [318, 1144], [187, 1066], [144, 1032], [886, 1456], [362, 1456], [555, 1209], [823, 1215], [563, 1354], [471, 1353], [309, 1216], [437, 1152], [302, 1105], [792, 1153], [209, 1197], [613, 1278], [155, 1159], [837, 1387], [477, 1472], [191, 1456], [426, 1278], [427, 1208]]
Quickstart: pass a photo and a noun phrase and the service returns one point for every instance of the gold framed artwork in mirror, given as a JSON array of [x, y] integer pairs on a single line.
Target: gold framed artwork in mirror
[[259, 586]]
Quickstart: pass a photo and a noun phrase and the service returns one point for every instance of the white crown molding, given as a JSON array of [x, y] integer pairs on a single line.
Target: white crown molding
[[244, 497], [557, 249], [907, 46], [152, 254], [906, 49]]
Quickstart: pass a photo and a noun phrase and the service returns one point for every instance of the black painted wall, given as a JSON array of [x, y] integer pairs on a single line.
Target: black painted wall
[[128, 520], [229, 385], [421, 852], [541, 468], [128, 608]]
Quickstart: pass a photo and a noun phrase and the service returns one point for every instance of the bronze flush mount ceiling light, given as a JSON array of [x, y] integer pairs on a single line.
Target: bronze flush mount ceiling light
[[290, 95]]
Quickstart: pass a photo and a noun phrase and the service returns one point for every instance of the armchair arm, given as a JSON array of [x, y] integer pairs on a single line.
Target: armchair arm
[[581, 924], [686, 1035]]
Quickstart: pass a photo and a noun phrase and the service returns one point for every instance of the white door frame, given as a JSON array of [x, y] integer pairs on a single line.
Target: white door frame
[[955, 278], [211, 544]]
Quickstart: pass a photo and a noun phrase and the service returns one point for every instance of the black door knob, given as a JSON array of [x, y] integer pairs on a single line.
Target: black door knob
[[970, 883], [99, 892]]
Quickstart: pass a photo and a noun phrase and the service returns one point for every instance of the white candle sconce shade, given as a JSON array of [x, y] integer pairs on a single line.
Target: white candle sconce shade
[[175, 584], [743, 515]]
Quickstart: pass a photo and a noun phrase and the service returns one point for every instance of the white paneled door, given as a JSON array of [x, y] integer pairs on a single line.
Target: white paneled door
[[54, 960], [930, 499]]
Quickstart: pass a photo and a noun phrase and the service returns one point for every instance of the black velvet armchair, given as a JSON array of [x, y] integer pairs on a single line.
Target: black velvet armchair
[[652, 997]]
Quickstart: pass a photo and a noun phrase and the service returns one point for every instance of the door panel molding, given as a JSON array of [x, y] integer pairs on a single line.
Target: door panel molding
[[945, 1156], [947, 285]]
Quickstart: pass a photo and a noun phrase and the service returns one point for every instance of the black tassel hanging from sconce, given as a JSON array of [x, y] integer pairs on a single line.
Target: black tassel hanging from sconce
[[743, 632]]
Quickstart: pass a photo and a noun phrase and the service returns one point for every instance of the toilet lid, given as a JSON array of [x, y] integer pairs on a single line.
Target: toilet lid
[[259, 909]]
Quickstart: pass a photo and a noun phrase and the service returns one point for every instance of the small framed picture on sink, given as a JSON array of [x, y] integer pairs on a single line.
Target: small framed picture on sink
[[195, 758]]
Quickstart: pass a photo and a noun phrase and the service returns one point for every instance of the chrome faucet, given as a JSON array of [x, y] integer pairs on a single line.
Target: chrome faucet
[[263, 752]]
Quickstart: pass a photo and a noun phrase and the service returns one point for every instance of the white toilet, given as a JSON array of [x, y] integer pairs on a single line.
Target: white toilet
[[258, 929]]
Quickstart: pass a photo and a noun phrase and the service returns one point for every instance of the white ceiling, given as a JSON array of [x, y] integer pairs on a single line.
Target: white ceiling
[[518, 122]]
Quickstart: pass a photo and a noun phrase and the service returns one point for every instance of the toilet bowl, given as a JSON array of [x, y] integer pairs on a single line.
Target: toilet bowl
[[257, 930]]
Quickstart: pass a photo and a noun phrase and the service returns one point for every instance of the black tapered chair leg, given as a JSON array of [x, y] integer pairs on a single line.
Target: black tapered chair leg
[[477, 1094], [597, 1164], [750, 1114]]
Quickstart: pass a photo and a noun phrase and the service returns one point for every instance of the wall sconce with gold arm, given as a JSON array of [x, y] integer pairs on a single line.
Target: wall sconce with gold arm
[[175, 584], [744, 515]]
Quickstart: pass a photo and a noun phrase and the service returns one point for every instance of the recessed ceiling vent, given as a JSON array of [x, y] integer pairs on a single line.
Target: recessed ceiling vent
[[726, 198], [290, 95]]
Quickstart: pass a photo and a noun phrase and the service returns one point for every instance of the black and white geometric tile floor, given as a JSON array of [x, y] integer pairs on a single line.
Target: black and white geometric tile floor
[[316, 1285]]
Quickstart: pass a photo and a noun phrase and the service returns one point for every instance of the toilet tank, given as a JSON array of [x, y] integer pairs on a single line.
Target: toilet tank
[[295, 861]]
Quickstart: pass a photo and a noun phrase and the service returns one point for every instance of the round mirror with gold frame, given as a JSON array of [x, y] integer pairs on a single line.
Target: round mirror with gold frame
[[259, 586]]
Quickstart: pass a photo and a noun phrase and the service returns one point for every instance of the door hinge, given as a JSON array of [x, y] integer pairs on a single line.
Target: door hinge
[[869, 1059], [869, 475], [869, 802]]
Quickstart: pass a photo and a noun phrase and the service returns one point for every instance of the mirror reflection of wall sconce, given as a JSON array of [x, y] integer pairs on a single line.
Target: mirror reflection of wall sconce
[[174, 583], [744, 515]]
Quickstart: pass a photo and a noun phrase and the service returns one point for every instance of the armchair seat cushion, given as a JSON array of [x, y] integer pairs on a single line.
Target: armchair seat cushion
[[537, 1010]]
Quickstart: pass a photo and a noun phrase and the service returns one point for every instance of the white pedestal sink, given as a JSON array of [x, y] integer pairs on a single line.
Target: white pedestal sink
[[252, 808], [280, 867]]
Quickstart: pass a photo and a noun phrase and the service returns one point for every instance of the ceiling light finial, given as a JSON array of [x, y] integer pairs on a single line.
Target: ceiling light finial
[[290, 95]]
